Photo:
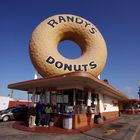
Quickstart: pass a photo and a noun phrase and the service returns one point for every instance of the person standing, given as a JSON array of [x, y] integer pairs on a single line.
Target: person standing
[[32, 116], [39, 112], [48, 111]]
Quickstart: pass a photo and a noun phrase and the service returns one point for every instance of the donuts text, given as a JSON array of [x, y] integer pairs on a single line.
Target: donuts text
[[70, 67]]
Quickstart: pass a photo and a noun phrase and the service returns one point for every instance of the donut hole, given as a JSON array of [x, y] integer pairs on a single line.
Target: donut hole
[[72, 44], [69, 49]]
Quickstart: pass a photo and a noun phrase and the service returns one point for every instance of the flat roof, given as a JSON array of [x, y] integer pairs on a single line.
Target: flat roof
[[72, 80], [131, 101]]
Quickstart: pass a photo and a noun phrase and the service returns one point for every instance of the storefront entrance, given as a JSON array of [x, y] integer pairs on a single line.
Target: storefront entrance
[[82, 104]]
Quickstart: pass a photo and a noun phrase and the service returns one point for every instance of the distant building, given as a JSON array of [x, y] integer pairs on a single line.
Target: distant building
[[6, 102]]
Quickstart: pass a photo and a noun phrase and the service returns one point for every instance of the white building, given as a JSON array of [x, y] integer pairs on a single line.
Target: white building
[[4, 102]]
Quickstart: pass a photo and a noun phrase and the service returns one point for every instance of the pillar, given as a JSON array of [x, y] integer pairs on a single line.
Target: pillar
[[89, 99], [47, 97], [74, 97], [33, 97]]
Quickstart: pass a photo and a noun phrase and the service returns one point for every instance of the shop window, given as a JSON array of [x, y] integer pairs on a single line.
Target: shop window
[[94, 103], [61, 101], [81, 99]]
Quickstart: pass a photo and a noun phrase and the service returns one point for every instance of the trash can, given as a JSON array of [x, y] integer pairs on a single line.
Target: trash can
[[98, 119], [67, 121]]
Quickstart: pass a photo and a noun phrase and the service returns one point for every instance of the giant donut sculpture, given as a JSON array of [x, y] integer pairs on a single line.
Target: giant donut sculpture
[[48, 34]]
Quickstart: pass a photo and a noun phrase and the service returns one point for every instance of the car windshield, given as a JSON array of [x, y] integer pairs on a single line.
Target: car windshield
[[8, 109], [12, 108]]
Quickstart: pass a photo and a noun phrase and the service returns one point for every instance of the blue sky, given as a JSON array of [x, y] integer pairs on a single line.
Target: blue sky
[[117, 20]]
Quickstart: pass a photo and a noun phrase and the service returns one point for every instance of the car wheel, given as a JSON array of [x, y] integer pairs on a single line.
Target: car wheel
[[5, 118]]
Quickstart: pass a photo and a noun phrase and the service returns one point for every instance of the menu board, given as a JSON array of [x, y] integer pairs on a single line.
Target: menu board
[[59, 99], [66, 99]]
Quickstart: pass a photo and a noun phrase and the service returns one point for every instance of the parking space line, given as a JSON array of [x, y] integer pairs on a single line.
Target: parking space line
[[135, 134]]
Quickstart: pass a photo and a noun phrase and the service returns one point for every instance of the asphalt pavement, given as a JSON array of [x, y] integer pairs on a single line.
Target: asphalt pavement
[[126, 127]]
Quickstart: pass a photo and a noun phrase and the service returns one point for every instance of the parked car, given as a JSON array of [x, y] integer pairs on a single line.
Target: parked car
[[14, 113]]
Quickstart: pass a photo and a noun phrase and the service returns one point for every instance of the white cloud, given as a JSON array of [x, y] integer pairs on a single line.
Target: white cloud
[[130, 92]]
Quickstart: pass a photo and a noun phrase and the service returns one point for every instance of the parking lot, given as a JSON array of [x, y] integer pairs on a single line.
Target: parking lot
[[123, 128], [7, 133]]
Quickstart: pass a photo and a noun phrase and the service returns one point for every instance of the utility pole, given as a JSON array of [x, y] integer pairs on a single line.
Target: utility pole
[[11, 95], [139, 89]]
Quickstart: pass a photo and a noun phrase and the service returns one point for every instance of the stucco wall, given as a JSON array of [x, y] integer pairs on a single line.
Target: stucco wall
[[107, 104], [4, 102]]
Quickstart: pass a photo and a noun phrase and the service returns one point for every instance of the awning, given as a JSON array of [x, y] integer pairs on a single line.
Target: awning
[[72, 80], [131, 101]]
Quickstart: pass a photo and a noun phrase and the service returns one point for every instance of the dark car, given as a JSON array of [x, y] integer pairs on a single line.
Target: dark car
[[14, 113]]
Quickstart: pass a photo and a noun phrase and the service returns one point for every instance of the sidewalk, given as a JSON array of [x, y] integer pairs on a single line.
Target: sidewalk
[[122, 129]]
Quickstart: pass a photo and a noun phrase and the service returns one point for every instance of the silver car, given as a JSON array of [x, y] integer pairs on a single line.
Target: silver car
[[14, 113]]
